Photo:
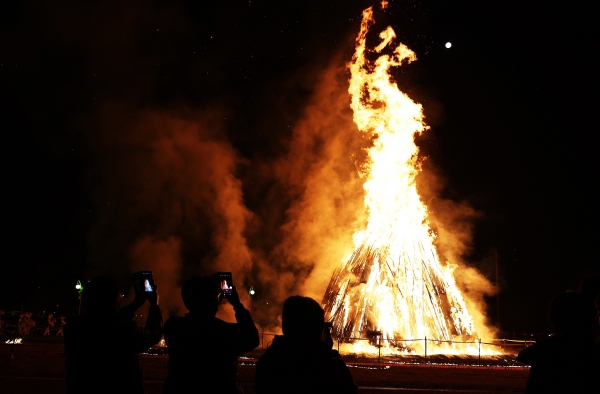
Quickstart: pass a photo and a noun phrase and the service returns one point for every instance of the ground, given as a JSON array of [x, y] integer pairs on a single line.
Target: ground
[[39, 368]]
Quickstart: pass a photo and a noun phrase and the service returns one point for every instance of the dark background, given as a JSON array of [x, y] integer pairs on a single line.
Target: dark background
[[512, 110]]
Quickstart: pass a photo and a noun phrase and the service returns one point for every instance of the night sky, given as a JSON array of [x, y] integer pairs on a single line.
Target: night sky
[[512, 107]]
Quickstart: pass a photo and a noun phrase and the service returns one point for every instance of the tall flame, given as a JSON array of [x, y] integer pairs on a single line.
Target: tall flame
[[393, 285]]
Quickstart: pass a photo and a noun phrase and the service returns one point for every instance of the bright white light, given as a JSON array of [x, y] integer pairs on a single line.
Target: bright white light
[[448, 44], [78, 287]]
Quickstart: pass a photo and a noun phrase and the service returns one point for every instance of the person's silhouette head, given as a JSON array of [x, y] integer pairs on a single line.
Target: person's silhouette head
[[302, 318], [570, 314], [200, 294], [590, 288], [101, 295]]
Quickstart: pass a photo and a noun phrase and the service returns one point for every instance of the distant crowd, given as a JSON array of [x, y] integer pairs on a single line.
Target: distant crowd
[[27, 323]]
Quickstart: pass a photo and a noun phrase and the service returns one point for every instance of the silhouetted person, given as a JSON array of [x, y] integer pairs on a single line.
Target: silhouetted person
[[302, 361], [102, 345], [568, 361], [61, 326], [590, 289], [203, 349], [50, 323]]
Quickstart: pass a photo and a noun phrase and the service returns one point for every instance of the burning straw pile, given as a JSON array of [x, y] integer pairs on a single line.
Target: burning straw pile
[[393, 285]]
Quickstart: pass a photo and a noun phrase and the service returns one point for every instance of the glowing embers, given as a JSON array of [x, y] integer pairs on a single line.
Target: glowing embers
[[393, 286]]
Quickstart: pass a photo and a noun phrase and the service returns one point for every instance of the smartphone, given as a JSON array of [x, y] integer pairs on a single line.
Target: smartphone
[[143, 282], [225, 283]]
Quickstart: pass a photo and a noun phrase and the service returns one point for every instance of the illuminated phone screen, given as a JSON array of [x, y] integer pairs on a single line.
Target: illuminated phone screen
[[147, 285], [143, 282], [225, 283]]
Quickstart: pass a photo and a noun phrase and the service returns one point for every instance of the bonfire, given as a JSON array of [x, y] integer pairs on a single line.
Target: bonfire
[[393, 286]]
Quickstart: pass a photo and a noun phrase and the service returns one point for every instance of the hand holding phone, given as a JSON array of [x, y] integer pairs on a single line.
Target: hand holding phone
[[153, 296], [327, 333], [234, 298]]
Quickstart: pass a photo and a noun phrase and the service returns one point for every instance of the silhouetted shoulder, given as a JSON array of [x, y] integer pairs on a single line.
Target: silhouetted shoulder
[[230, 327], [173, 322], [541, 351]]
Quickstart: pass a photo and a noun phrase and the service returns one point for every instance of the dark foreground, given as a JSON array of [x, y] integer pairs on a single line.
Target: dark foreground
[[39, 368]]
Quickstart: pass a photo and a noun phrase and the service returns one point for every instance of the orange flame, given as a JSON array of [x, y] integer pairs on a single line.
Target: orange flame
[[393, 285]]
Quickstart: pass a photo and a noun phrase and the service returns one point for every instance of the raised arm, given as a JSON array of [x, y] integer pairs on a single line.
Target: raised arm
[[127, 312], [248, 334], [149, 335]]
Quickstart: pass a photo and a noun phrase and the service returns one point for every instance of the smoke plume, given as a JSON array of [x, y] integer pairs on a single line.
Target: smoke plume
[[453, 223], [167, 196], [312, 198], [321, 169]]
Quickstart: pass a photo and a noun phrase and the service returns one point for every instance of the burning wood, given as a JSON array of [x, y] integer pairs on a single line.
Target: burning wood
[[393, 283]]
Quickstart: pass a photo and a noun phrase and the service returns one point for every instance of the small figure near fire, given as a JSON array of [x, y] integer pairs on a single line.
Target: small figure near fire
[[61, 326], [26, 323], [50, 323]]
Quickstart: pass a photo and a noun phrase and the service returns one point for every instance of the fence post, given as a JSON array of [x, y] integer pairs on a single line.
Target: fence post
[[379, 355], [425, 346], [338, 341], [479, 351]]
